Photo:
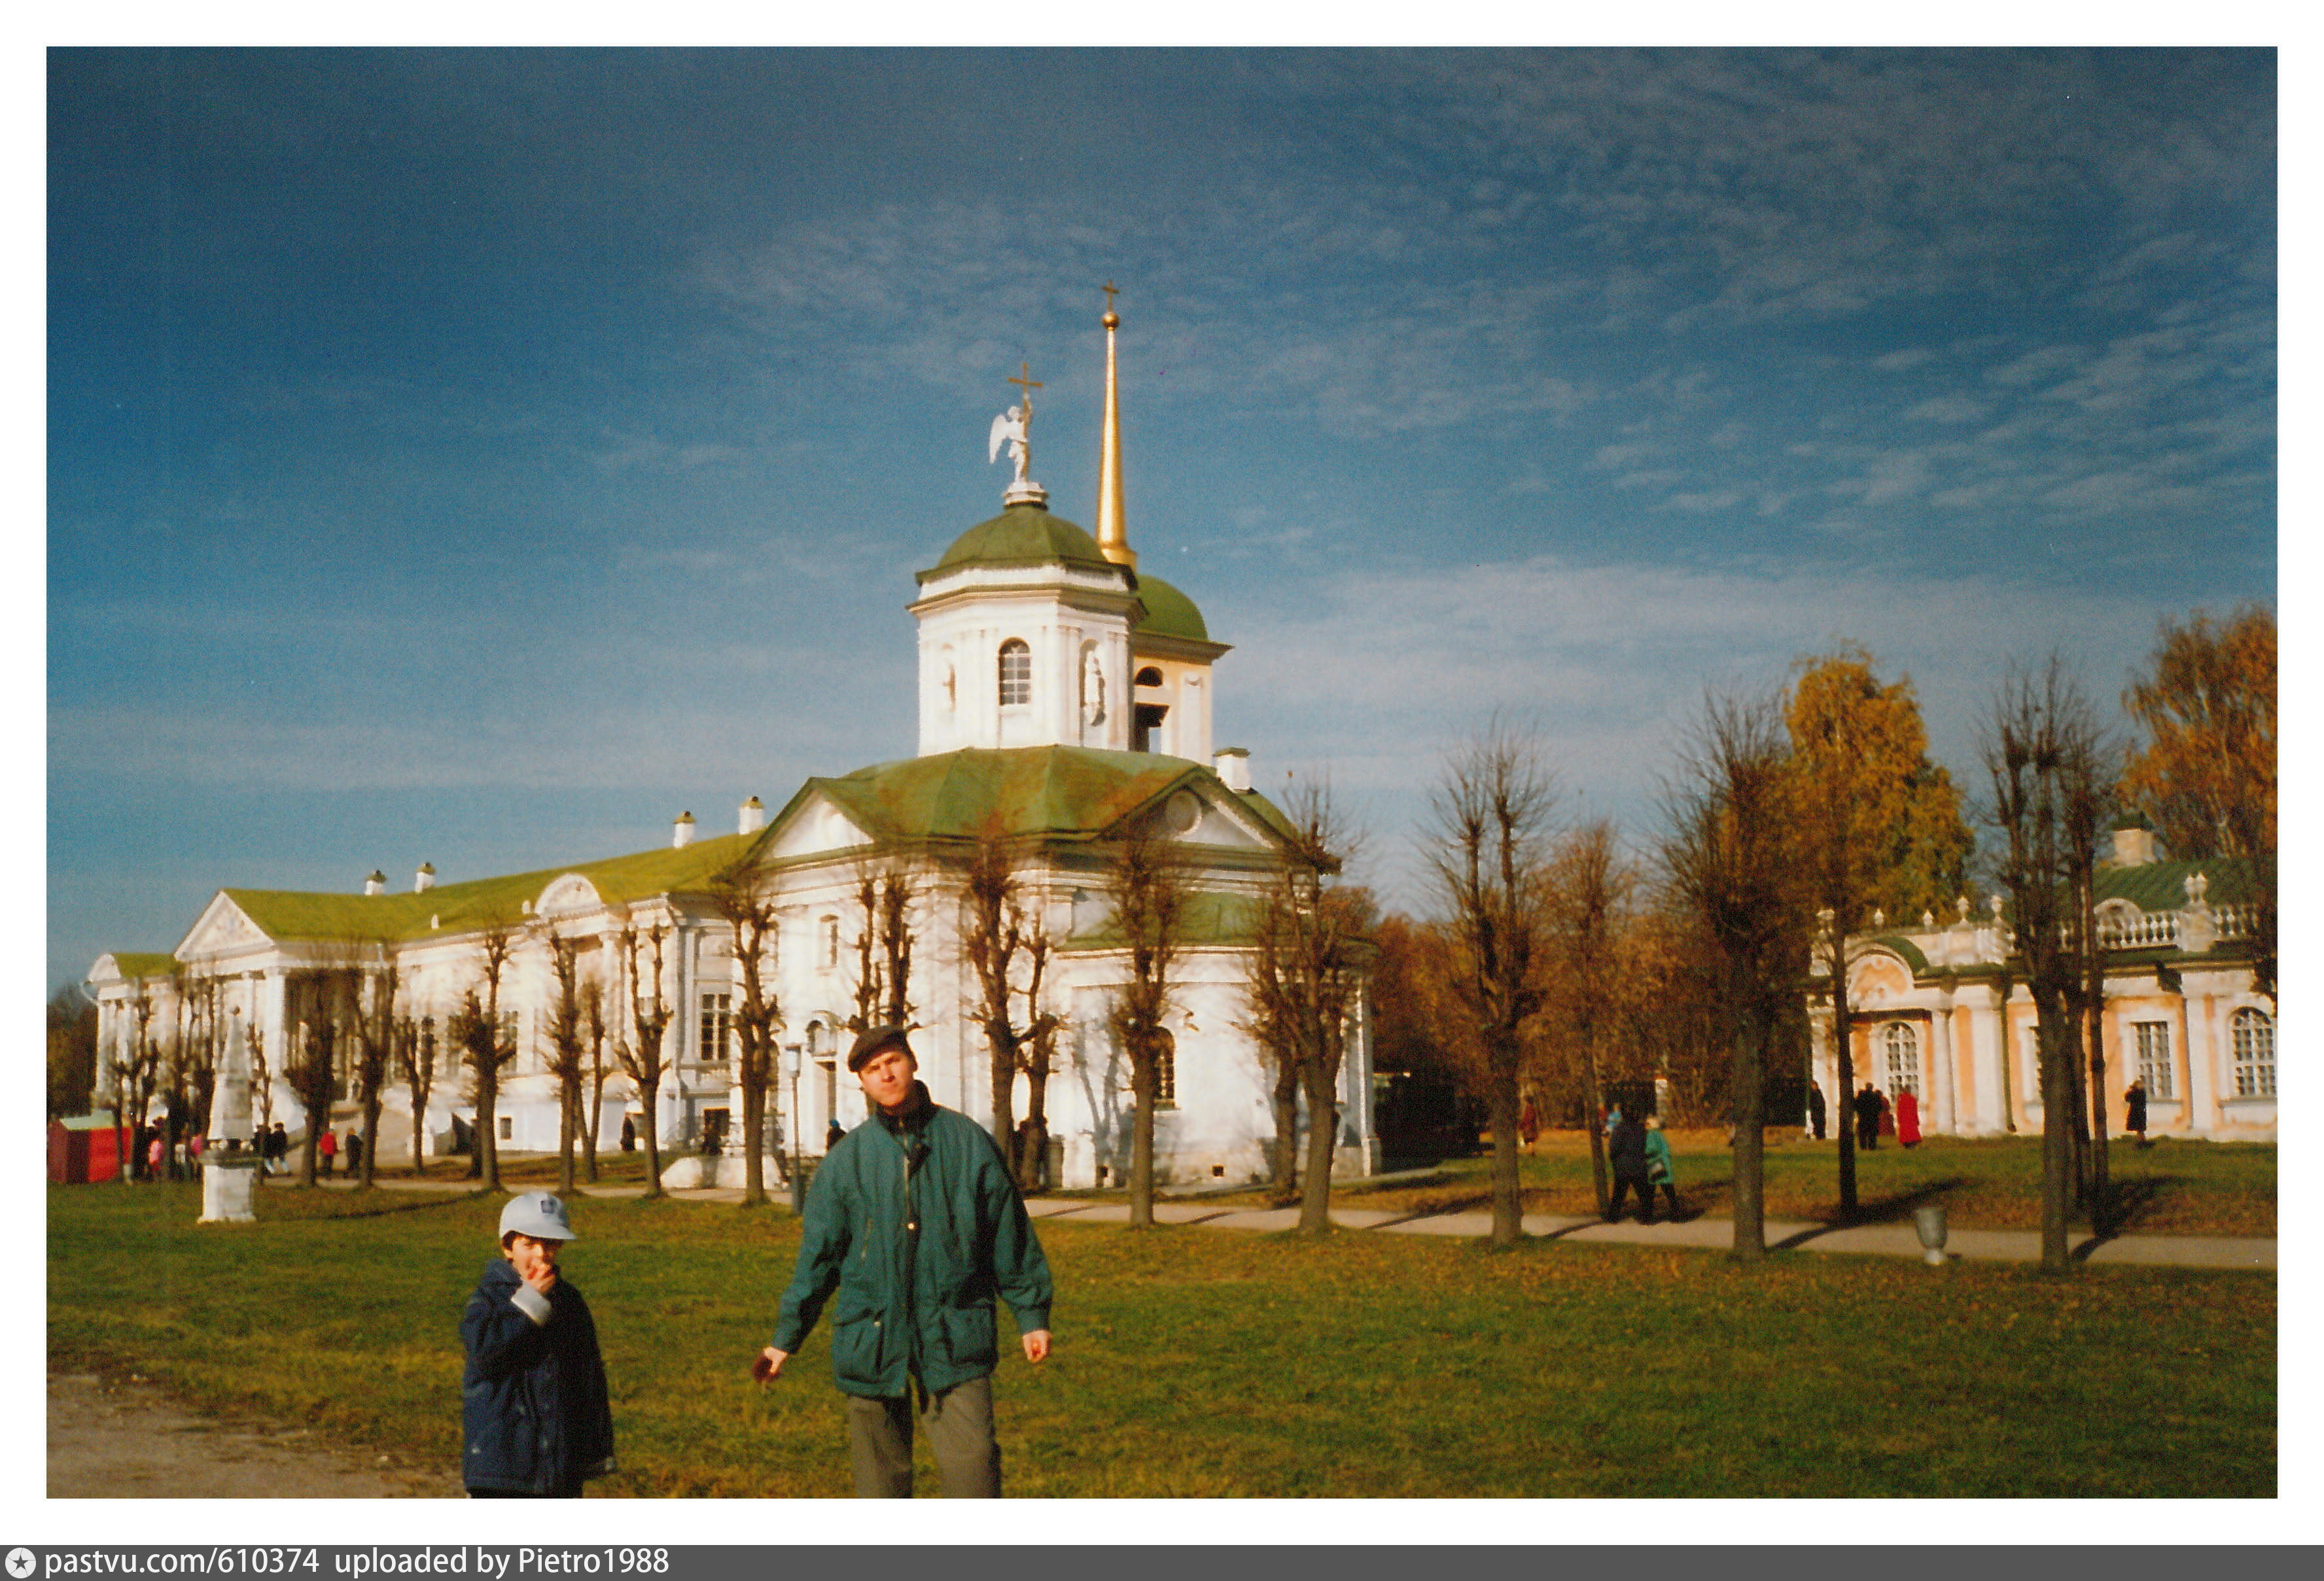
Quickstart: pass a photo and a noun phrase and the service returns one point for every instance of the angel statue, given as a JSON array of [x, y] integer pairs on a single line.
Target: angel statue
[[1010, 431]]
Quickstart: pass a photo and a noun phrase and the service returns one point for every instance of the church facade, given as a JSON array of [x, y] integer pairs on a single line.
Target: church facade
[[1063, 704], [1940, 1010]]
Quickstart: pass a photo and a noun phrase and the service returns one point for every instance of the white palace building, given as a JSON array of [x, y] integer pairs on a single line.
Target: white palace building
[[1064, 700]]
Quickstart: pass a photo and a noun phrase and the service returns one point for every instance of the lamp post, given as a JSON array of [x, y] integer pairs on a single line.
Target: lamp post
[[792, 1058]]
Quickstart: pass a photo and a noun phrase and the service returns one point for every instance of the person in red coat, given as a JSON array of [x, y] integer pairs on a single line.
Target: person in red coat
[[1908, 1117]]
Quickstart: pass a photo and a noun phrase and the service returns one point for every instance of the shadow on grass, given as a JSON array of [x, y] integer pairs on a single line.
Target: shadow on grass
[[2127, 1202], [388, 1203]]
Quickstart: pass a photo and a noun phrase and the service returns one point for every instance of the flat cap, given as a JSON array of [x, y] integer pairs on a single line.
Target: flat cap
[[873, 1040]]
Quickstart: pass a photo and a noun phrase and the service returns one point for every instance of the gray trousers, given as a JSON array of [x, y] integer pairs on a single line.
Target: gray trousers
[[959, 1425]]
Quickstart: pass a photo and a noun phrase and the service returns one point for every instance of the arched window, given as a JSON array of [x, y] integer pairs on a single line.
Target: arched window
[[1015, 674], [2254, 1046], [1903, 1050]]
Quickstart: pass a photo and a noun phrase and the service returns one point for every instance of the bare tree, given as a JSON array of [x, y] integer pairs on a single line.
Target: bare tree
[[415, 1054], [565, 1047], [1490, 822], [1147, 878], [135, 1070], [1008, 950], [1731, 862], [324, 1003], [883, 947], [489, 1050], [373, 1028], [595, 1034], [641, 1052], [1591, 888], [750, 922], [1305, 976], [2041, 748]]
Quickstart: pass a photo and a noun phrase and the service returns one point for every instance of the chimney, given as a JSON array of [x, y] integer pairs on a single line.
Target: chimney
[[425, 880], [754, 816], [2134, 847], [681, 833], [376, 884], [1234, 765]]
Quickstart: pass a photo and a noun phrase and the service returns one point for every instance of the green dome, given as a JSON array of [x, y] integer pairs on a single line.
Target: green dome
[[1168, 611], [1022, 535]]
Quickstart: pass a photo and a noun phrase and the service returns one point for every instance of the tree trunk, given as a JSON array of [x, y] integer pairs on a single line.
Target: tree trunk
[[418, 1129], [1748, 1154], [487, 1138], [650, 1095], [1001, 1076], [2101, 1190], [1141, 1148], [1033, 1171], [754, 1137], [2057, 1132], [1501, 1112], [564, 1142], [371, 1140], [1284, 1156], [1844, 1056], [1323, 1136]]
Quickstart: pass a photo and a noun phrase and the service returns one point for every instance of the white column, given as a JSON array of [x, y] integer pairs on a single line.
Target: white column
[[1940, 1067]]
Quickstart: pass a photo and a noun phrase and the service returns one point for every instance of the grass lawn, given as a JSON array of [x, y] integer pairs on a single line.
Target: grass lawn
[[1194, 1362], [2173, 1188]]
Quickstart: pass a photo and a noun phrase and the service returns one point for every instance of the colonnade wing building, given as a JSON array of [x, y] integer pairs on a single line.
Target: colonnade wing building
[[1941, 1010], [1065, 705]]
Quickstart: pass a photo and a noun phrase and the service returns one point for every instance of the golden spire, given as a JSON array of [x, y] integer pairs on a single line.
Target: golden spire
[[1113, 535]]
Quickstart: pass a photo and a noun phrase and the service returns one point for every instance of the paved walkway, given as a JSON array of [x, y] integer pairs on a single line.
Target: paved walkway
[[1885, 1240]]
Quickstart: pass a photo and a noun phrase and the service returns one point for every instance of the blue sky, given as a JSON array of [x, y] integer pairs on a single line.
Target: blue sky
[[479, 457]]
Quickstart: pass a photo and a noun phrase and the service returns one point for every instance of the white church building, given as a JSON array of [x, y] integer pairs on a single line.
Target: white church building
[[1064, 699]]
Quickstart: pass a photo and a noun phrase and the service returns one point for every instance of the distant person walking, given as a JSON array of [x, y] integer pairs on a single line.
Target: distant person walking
[[1627, 1148], [354, 1150], [1815, 1110], [278, 1149], [326, 1150], [1529, 1125], [1868, 1117], [1908, 1119], [2134, 1110], [1660, 1171]]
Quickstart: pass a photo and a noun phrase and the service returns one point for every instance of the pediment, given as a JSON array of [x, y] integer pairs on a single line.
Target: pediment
[[1194, 814], [1878, 977], [224, 928], [817, 825], [568, 893]]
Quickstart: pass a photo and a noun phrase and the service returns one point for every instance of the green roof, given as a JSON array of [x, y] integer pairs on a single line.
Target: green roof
[[1058, 793], [143, 964], [2158, 887], [1168, 611], [1023, 535], [482, 903]]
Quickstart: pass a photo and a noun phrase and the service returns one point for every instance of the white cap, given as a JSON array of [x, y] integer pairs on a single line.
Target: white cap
[[538, 1214]]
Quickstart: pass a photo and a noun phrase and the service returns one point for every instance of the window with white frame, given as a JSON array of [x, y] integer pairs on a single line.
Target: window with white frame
[[1903, 1047], [2254, 1036], [718, 1027], [2153, 1057], [1015, 674]]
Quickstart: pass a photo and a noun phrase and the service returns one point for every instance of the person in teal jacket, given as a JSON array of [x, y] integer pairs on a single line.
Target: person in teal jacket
[[1659, 1170], [913, 1223]]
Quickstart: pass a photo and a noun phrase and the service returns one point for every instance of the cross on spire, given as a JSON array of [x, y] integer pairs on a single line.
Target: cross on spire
[[1024, 381]]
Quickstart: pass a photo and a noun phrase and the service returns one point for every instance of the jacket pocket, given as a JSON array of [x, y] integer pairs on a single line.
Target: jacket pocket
[[970, 1338]]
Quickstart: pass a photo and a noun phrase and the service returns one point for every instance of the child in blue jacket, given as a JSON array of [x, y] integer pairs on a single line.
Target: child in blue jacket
[[534, 1413]]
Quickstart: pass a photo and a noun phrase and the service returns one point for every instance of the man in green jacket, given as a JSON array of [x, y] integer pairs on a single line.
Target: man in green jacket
[[914, 1222]]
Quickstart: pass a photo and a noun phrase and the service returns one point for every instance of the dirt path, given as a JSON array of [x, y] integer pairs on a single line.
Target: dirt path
[[109, 1439]]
